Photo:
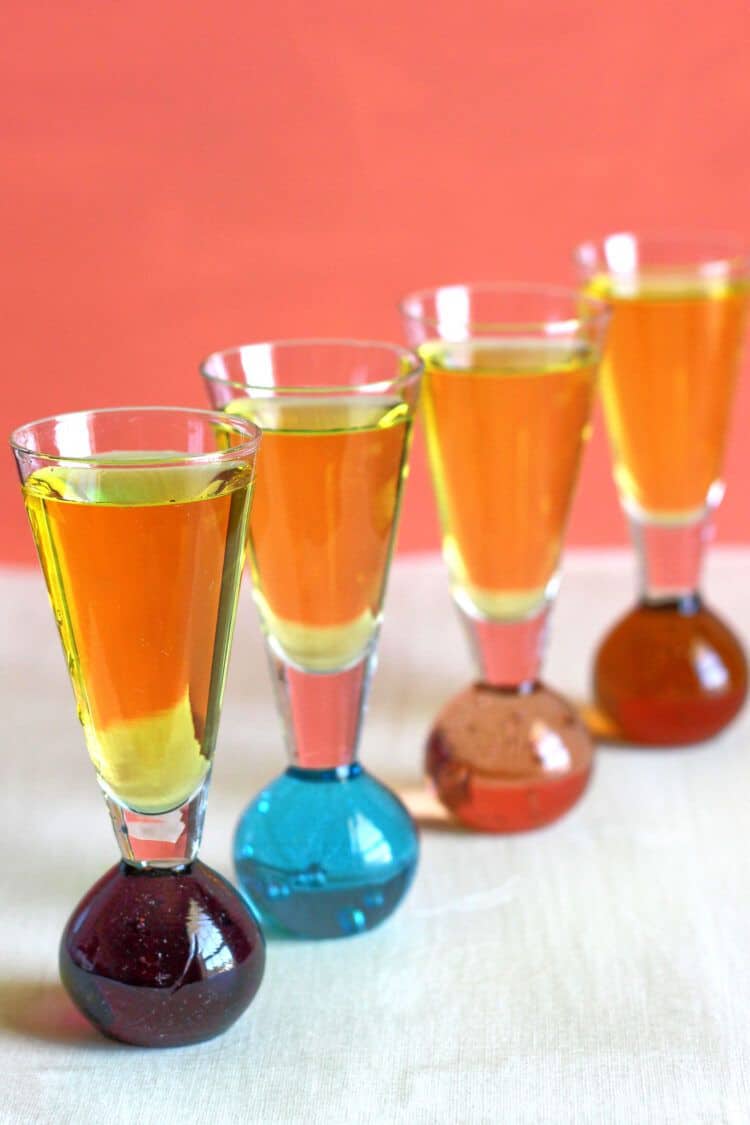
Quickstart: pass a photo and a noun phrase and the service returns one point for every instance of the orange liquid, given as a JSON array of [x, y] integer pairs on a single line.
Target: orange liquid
[[506, 422], [324, 515], [668, 376], [145, 611]]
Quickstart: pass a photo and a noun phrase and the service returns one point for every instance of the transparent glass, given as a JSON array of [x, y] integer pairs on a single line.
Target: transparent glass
[[326, 850], [671, 671], [139, 516], [510, 375]]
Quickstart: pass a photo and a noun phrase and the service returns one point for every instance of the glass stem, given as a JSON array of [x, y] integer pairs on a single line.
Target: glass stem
[[670, 557], [165, 839], [322, 712], [508, 653]]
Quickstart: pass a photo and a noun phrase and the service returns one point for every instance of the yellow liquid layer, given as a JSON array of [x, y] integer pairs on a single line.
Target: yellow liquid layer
[[506, 423], [668, 378], [321, 533], [142, 567]]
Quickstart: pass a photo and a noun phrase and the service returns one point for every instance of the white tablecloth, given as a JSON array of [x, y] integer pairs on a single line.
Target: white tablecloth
[[597, 971]]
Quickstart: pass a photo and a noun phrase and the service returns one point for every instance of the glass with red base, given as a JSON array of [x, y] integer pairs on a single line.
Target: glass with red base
[[670, 672], [510, 374], [139, 518]]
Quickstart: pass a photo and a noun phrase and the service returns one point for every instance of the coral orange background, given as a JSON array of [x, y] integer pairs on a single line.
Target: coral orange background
[[181, 176]]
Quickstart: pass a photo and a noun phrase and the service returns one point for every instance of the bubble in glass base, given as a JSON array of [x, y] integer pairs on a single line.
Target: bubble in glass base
[[162, 957], [508, 760], [325, 853], [670, 673]]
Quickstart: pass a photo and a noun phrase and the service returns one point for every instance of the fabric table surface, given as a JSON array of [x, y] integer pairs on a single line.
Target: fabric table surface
[[595, 971]]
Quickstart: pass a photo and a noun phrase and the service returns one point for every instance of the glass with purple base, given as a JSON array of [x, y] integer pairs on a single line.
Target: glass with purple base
[[139, 518]]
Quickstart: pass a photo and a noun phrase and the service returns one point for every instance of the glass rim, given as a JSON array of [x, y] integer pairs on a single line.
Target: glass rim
[[732, 250], [243, 426], [399, 351], [594, 310]]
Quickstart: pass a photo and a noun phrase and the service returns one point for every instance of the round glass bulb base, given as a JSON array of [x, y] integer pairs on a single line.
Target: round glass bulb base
[[508, 760], [162, 957], [325, 853], [670, 673]]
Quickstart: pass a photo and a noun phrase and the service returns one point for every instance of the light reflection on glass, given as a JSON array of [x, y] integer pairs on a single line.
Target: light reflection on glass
[[549, 747], [709, 668]]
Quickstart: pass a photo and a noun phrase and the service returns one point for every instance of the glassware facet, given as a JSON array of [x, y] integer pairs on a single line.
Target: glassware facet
[[670, 672], [510, 373], [325, 850], [139, 517]]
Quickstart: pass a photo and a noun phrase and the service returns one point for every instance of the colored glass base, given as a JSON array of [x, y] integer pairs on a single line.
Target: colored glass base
[[325, 853], [162, 957], [670, 673], [506, 760]]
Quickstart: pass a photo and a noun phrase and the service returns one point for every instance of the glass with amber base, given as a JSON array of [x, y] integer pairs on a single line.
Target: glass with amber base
[[671, 671], [325, 850], [510, 373], [139, 518]]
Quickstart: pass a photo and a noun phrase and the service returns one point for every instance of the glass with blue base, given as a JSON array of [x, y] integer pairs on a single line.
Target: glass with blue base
[[325, 850]]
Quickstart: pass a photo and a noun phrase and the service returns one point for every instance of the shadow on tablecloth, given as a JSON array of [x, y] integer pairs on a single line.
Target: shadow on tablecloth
[[36, 1010]]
